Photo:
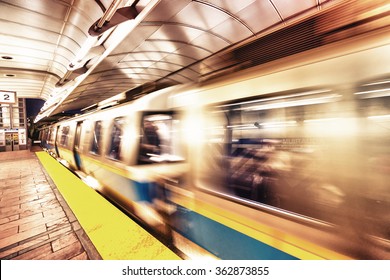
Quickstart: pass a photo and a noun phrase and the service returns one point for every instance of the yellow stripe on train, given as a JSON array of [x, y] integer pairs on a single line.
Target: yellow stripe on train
[[287, 243]]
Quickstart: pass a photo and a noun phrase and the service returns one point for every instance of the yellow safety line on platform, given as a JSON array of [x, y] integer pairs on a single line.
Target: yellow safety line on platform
[[115, 236]]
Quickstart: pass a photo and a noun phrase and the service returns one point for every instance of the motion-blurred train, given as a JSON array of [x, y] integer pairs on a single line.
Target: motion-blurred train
[[286, 160]]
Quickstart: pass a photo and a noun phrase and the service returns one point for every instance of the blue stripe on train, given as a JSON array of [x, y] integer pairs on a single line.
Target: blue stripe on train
[[131, 189], [222, 241]]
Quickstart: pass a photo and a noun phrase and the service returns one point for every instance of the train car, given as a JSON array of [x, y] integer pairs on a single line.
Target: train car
[[291, 159], [286, 160], [113, 150], [47, 136], [43, 137]]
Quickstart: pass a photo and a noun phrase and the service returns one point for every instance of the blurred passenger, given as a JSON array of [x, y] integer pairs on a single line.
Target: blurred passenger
[[151, 137], [150, 143], [115, 144]]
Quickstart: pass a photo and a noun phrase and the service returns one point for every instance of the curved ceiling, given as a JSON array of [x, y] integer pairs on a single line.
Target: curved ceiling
[[50, 50]]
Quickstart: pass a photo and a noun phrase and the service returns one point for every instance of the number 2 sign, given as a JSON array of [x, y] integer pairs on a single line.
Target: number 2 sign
[[8, 97]]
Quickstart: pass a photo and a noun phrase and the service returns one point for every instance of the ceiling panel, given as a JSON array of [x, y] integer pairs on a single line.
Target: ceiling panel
[[175, 32], [145, 55], [288, 8], [29, 33], [230, 28], [169, 42], [210, 42], [200, 15], [259, 15], [33, 19], [167, 10], [180, 59]]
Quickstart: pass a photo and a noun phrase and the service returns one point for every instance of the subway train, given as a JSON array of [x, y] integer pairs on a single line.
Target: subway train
[[289, 159]]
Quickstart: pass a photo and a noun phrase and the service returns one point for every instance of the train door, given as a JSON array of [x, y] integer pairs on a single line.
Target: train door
[[11, 141], [57, 131], [76, 145]]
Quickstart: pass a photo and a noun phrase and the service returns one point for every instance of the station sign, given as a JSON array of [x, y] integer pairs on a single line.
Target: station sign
[[11, 130], [7, 97]]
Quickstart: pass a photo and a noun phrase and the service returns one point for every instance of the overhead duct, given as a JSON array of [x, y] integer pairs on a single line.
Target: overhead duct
[[112, 17]]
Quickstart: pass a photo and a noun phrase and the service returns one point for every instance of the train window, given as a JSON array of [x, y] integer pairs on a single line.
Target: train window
[[97, 138], [374, 100], [160, 139], [48, 134], [114, 151], [374, 111], [52, 138], [44, 135], [266, 151], [64, 136]]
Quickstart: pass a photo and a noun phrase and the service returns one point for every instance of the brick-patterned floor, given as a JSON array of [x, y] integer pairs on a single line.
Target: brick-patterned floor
[[35, 221]]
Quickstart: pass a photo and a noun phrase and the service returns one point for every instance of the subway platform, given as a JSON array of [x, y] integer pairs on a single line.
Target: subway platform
[[35, 221], [46, 212]]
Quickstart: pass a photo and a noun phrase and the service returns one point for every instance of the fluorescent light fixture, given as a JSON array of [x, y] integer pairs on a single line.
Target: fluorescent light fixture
[[383, 92], [321, 120], [378, 83], [382, 117], [294, 103], [289, 96]]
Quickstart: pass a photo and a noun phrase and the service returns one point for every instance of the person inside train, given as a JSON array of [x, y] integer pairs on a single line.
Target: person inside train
[[115, 142], [151, 135], [115, 149], [150, 144]]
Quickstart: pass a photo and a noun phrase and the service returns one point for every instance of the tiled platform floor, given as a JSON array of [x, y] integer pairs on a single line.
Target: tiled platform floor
[[35, 221]]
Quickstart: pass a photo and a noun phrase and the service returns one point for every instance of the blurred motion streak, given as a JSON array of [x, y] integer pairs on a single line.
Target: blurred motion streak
[[289, 158]]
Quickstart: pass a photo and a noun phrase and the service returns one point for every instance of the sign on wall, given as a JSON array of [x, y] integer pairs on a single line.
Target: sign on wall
[[22, 137], [2, 137], [8, 97]]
